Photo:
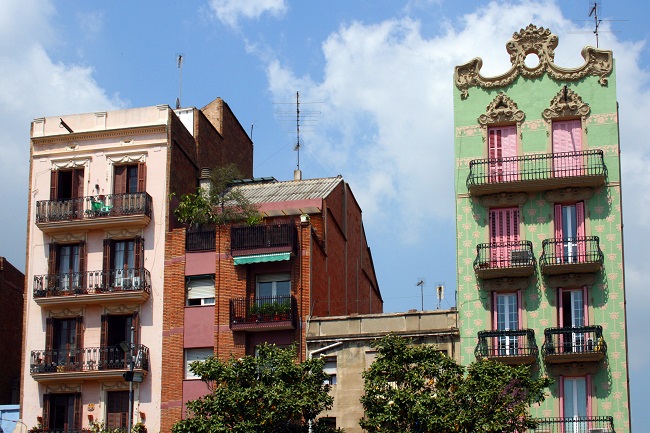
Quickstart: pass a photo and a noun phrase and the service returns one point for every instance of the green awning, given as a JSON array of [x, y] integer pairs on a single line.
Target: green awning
[[262, 258]]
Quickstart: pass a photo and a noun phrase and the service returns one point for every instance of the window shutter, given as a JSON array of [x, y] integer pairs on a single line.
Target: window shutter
[[46, 411], [104, 331], [54, 177], [119, 180], [51, 260], [138, 252], [142, 177], [79, 335], [135, 322], [82, 265], [78, 183], [580, 232], [49, 334], [200, 288], [108, 259], [77, 411], [559, 245]]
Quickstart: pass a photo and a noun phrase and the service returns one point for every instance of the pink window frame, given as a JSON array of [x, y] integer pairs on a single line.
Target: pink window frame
[[580, 231], [502, 143], [495, 325], [588, 395], [566, 137]]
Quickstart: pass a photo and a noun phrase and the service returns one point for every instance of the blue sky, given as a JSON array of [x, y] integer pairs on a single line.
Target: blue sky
[[379, 72]]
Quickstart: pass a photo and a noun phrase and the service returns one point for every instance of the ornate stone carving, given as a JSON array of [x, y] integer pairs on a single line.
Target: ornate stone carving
[[568, 194], [112, 386], [122, 309], [59, 164], [506, 284], [504, 199], [66, 312], [571, 280], [566, 103], [123, 233], [542, 43], [502, 109], [64, 387], [68, 237]]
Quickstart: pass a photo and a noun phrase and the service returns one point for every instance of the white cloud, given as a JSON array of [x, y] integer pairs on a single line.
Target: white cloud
[[33, 85], [230, 11]]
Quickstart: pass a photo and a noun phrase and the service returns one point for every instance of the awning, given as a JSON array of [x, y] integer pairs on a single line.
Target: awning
[[262, 258]]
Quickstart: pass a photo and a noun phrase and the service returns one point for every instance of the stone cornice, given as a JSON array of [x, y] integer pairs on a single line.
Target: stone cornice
[[95, 135], [542, 43]]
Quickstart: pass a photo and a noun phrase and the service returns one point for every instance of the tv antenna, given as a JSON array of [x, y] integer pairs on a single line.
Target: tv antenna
[[421, 284], [304, 119], [595, 12], [179, 65], [440, 293]]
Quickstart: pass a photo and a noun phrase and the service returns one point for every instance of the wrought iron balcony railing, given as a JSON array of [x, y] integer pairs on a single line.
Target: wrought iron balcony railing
[[262, 238], [276, 312], [139, 203], [494, 260], [576, 255], [200, 239], [512, 347], [536, 172], [92, 282], [580, 424], [572, 344], [87, 359]]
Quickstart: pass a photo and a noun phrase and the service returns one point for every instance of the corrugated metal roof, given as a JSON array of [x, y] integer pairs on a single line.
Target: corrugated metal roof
[[291, 190]]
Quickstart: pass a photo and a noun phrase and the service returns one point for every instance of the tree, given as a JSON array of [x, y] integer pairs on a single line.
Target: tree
[[270, 393], [416, 388], [221, 204]]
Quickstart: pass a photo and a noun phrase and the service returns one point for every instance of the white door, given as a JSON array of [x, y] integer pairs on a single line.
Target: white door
[[575, 404], [507, 320]]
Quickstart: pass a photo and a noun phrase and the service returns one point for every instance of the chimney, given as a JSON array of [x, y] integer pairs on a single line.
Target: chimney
[[297, 175]]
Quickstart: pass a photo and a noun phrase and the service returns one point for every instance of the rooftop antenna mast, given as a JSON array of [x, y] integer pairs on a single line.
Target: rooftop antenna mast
[[297, 147], [421, 284], [179, 65], [594, 12]]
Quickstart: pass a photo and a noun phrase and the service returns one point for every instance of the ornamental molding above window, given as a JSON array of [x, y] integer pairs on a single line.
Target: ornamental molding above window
[[68, 238], [62, 388], [67, 163], [566, 103], [571, 280], [122, 309], [541, 43], [568, 195], [126, 158], [117, 386], [575, 368], [66, 312], [123, 233], [504, 199], [506, 284], [501, 110]]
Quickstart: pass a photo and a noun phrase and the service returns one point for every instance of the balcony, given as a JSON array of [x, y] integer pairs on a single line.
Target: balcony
[[200, 239], [86, 363], [263, 314], [508, 259], [514, 347], [93, 287], [262, 239], [574, 344], [104, 211], [590, 424], [538, 172], [571, 255]]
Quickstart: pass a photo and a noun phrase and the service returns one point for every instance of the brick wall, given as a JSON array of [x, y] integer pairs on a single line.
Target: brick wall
[[183, 165], [11, 322]]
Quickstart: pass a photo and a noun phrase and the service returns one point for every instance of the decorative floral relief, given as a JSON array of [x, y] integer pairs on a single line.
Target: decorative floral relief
[[468, 131], [602, 119], [566, 103]]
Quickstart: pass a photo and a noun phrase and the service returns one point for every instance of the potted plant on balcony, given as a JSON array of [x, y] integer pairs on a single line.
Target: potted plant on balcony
[[254, 312]]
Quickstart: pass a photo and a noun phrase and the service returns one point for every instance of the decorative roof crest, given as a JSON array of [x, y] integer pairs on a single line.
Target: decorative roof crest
[[542, 43], [566, 103]]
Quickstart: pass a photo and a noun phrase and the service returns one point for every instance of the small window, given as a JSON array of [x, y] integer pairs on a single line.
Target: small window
[[273, 285], [191, 355], [200, 290], [329, 422], [330, 369]]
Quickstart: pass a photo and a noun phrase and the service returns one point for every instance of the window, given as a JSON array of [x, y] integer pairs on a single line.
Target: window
[[502, 143], [567, 142], [66, 265], [506, 318], [273, 285], [330, 369], [329, 422], [573, 314], [575, 405], [200, 290], [115, 330], [191, 355], [67, 184], [117, 409], [129, 179], [63, 343], [123, 261], [504, 233], [570, 233], [62, 412]]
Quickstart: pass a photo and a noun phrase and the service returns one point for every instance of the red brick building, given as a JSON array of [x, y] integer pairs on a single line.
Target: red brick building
[[12, 282], [231, 288]]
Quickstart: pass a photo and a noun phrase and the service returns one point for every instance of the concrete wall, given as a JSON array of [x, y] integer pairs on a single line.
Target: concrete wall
[[355, 354]]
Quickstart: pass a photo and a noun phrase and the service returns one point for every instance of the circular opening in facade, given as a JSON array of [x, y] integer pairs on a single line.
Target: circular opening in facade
[[531, 61]]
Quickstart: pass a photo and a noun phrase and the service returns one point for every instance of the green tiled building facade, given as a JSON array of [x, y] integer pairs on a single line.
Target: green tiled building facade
[[539, 229]]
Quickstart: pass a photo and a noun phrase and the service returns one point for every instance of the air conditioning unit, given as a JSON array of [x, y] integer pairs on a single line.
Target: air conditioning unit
[[520, 257]]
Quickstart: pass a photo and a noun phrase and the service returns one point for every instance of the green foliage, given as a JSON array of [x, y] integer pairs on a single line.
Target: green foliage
[[416, 388], [100, 427], [264, 394], [221, 205]]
